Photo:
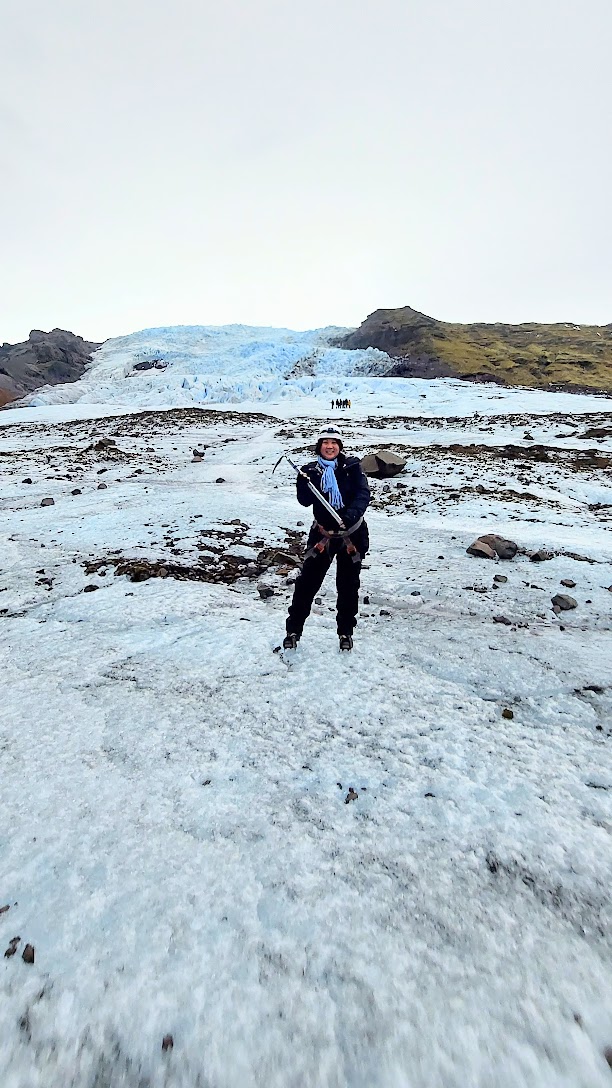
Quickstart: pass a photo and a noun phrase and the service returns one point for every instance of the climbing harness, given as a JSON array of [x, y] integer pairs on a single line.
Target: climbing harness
[[331, 534]]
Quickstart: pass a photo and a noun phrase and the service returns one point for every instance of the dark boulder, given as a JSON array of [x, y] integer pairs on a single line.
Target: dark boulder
[[491, 545], [382, 464], [505, 549], [564, 602]]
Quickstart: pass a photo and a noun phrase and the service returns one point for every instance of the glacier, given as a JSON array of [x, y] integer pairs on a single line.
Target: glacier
[[239, 364]]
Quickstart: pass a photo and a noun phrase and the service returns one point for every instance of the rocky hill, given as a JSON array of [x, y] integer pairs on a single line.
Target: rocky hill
[[559, 356], [45, 358]]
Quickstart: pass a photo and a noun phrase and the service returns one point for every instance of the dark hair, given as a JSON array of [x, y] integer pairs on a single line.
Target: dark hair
[[322, 440]]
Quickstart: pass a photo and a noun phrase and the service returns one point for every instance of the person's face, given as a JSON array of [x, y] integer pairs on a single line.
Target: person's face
[[329, 449]]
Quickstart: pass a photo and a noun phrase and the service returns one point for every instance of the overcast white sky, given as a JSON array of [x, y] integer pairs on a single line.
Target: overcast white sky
[[302, 164]]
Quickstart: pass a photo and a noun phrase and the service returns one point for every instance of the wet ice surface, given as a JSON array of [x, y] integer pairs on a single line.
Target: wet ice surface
[[178, 844]]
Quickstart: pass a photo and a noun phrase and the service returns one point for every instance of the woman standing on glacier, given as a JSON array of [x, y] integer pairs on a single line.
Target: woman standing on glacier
[[342, 482]]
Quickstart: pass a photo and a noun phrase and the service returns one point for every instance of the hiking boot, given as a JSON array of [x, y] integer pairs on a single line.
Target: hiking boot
[[346, 642], [290, 642]]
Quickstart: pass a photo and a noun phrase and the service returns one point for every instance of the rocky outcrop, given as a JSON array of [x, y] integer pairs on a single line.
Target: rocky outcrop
[[404, 334], [46, 358], [575, 358]]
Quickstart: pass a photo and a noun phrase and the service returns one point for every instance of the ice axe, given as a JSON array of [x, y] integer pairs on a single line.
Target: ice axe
[[315, 490]]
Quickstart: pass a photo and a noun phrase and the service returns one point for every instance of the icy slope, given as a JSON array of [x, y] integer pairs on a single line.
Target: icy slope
[[193, 364], [276, 369], [178, 841]]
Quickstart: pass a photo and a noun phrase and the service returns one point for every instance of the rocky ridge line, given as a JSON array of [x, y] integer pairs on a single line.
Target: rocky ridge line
[[45, 358]]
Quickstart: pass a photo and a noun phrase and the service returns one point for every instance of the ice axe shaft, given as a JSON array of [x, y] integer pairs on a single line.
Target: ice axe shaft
[[315, 490]]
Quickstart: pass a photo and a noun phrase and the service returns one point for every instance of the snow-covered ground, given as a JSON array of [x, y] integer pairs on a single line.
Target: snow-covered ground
[[177, 840]]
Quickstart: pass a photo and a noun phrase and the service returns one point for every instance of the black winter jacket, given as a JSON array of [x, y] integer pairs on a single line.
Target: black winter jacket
[[353, 487]]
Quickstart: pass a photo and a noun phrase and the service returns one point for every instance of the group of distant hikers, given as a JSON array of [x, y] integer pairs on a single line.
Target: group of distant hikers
[[338, 403], [332, 482]]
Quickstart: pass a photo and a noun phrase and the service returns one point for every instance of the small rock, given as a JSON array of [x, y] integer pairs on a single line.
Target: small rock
[[162, 572], [502, 619], [12, 948], [352, 795], [167, 1042], [90, 589], [265, 592], [415, 593], [220, 480], [102, 487], [541, 556], [136, 572], [318, 600], [76, 491], [4, 909], [48, 502], [568, 582], [299, 523], [28, 954], [500, 578], [27, 480], [578, 557], [383, 612], [509, 714], [564, 602]]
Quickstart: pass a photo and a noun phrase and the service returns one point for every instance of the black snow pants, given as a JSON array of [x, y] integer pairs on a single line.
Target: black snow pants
[[311, 578]]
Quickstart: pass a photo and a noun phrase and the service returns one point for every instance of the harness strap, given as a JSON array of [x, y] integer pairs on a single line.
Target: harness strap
[[339, 532], [329, 535]]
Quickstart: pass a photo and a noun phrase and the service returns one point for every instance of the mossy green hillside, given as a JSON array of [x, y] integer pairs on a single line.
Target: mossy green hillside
[[530, 354]]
